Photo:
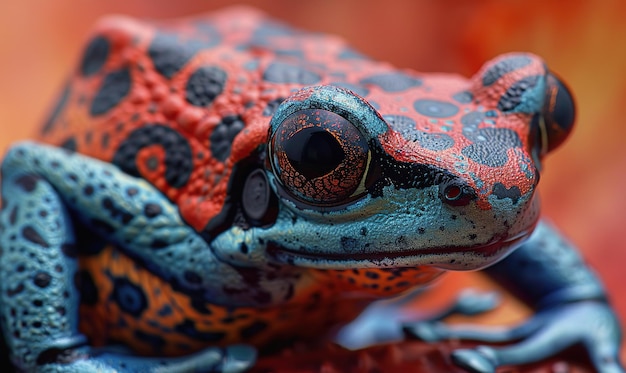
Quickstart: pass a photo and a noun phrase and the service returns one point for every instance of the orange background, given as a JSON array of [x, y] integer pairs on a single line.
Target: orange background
[[583, 186]]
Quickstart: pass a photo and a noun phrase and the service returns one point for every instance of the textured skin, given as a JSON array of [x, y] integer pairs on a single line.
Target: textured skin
[[178, 199]]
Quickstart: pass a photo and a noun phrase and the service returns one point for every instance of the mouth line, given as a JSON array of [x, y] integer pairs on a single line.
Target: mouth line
[[487, 250]]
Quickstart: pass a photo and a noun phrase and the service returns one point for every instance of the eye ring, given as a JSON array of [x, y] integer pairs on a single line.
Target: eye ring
[[319, 157]]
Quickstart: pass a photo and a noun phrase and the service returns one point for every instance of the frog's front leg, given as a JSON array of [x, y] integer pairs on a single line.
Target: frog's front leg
[[571, 307], [38, 258]]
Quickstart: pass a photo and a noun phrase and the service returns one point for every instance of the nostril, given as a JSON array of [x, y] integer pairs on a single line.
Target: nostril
[[452, 192], [456, 193]]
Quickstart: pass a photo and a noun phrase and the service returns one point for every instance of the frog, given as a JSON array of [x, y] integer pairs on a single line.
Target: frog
[[209, 188]]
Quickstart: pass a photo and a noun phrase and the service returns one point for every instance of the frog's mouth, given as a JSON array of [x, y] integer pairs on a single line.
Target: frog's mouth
[[449, 257]]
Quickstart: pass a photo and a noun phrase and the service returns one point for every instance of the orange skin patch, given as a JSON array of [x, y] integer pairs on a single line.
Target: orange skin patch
[[104, 321]]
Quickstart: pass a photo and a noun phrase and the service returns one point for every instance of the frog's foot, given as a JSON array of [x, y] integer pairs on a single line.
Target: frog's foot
[[373, 326], [469, 302], [549, 332], [232, 359]]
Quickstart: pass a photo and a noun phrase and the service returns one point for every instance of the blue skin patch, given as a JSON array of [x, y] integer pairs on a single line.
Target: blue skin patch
[[337, 100], [314, 238]]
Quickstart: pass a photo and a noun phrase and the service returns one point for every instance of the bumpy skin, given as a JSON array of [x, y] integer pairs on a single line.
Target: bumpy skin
[[216, 181]]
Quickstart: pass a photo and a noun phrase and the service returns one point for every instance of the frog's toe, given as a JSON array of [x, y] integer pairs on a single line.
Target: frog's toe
[[479, 360], [473, 302]]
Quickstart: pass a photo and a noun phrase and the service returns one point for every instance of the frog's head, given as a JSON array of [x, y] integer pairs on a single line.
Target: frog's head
[[442, 173]]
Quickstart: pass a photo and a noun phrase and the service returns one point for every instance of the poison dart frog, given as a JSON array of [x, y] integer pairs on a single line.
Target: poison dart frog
[[211, 187]]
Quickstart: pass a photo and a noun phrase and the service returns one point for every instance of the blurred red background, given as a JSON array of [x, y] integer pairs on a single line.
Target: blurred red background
[[584, 41]]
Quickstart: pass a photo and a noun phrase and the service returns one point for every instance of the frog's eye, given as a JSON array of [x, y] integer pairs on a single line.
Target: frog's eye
[[557, 117], [319, 157]]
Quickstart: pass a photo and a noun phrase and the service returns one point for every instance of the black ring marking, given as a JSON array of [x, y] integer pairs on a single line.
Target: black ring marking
[[178, 155]]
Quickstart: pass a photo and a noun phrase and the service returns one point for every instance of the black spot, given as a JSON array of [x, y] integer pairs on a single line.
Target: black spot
[[500, 191], [204, 85], [223, 135], [86, 287], [358, 89], [169, 52], [463, 97], [88, 190], [491, 145], [407, 128], [95, 56], [37, 303], [27, 182], [243, 248], [58, 108], [513, 96], [151, 210], [13, 216], [392, 82], [158, 243], [166, 310], [372, 275], [104, 141], [272, 106], [155, 341], [188, 328], [282, 72], [504, 67], [253, 329], [114, 89], [30, 234], [42, 279], [69, 144], [178, 156], [403, 284], [129, 297], [435, 108]]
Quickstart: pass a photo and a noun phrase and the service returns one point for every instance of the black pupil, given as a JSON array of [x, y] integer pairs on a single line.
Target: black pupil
[[314, 152]]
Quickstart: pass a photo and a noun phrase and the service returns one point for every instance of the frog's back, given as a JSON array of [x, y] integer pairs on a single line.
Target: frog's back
[[183, 103]]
